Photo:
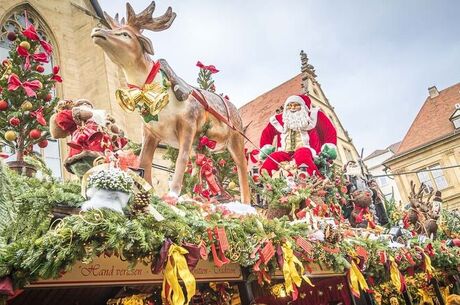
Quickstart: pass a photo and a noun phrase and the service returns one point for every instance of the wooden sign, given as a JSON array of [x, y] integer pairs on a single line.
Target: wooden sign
[[110, 271]]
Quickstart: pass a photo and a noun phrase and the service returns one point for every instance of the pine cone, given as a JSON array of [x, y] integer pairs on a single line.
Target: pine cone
[[141, 201]]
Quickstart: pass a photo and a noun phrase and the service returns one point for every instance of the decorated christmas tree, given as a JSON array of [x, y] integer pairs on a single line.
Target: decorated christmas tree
[[26, 92]]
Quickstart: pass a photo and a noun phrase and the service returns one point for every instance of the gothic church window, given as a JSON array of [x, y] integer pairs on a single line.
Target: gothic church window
[[15, 21]]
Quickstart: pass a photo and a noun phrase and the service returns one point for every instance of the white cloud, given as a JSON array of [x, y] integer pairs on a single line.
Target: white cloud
[[375, 60]]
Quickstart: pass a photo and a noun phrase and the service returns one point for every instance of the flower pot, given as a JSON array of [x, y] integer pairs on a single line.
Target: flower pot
[[105, 199], [22, 168]]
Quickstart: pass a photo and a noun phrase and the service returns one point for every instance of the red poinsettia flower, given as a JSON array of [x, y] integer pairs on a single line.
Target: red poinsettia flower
[[210, 68], [56, 77]]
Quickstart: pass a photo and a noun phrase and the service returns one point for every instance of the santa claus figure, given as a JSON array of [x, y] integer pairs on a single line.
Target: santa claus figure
[[300, 133]]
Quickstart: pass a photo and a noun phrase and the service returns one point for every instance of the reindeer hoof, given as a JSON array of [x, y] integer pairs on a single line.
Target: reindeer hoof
[[170, 198]]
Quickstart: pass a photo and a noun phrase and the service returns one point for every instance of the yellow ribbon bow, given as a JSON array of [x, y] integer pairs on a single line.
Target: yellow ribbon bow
[[134, 300], [395, 275], [176, 268], [291, 276], [356, 280], [425, 297], [428, 268]]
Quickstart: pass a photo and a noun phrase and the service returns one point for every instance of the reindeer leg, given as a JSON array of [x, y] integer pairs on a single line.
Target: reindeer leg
[[149, 144], [186, 136], [236, 149]]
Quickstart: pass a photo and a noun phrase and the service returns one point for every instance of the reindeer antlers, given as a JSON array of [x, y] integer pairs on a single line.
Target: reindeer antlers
[[143, 20]]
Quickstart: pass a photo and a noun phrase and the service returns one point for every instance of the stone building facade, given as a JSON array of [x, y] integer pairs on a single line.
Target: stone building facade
[[430, 150]]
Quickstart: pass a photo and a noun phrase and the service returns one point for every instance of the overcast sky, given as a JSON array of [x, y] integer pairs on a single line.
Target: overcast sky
[[374, 59]]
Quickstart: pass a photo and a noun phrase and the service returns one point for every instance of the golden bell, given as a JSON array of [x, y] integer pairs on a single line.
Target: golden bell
[[125, 98], [153, 96]]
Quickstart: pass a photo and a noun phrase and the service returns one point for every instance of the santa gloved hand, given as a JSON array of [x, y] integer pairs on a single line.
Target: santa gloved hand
[[329, 151], [265, 151]]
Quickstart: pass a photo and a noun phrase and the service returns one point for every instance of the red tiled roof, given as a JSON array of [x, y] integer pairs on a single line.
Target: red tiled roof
[[432, 121], [393, 148], [258, 111]]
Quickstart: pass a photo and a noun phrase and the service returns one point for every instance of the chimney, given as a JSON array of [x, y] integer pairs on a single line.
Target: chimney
[[433, 91]]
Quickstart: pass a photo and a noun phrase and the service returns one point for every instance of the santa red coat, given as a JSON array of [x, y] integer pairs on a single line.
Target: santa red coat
[[320, 132]]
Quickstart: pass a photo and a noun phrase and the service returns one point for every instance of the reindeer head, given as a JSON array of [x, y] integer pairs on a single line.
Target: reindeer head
[[124, 42]]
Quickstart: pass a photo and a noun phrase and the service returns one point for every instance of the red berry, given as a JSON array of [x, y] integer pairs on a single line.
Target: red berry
[[14, 121], [43, 144], [3, 105], [48, 97], [11, 36], [35, 134], [40, 69]]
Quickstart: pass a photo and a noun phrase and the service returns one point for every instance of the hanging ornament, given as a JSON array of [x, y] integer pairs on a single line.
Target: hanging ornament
[[25, 44], [48, 97], [35, 134], [40, 69], [11, 36], [10, 135], [231, 186], [6, 62], [43, 144], [3, 105], [14, 121], [26, 106]]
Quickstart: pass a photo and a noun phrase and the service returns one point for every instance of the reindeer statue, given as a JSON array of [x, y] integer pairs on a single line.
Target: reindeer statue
[[424, 213], [173, 111]]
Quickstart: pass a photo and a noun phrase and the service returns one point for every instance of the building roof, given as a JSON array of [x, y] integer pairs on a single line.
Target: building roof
[[432, 121], [258, 111], [393, 148]]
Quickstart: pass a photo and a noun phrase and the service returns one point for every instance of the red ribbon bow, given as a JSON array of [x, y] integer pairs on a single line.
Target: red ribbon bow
[[29, 86], [55, 76], [31, 33], [38, 114], [206, 142], [206, 171], [210, 68], [40, 57]]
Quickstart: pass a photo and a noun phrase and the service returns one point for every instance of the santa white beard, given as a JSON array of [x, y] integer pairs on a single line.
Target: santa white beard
[[297, 121]]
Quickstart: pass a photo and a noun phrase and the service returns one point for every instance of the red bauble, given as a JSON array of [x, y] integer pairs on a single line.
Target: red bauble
[[35, 134], [40, 69], [6, 62], [43, 144], [3, 105], [48, 97], [11, 36], [14, 121]]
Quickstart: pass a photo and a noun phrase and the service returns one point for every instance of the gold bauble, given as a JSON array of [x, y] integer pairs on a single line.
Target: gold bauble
[[10, 135], [231, 186], [25, 45], [26, 106]]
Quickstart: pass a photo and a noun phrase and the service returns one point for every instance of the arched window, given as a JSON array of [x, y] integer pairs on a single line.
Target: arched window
[[16, 21]]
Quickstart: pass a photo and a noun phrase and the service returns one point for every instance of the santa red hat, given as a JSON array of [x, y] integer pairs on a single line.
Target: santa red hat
[[301, 99]]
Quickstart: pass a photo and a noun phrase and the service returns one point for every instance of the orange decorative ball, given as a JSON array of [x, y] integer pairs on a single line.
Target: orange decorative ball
[[43, 144], [35, 134], [3, 105]]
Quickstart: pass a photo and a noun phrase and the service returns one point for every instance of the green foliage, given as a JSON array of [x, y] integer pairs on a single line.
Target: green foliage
[[17, 99]]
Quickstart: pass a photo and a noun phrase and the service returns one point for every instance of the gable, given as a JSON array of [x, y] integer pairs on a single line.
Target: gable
[[432, 121]]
